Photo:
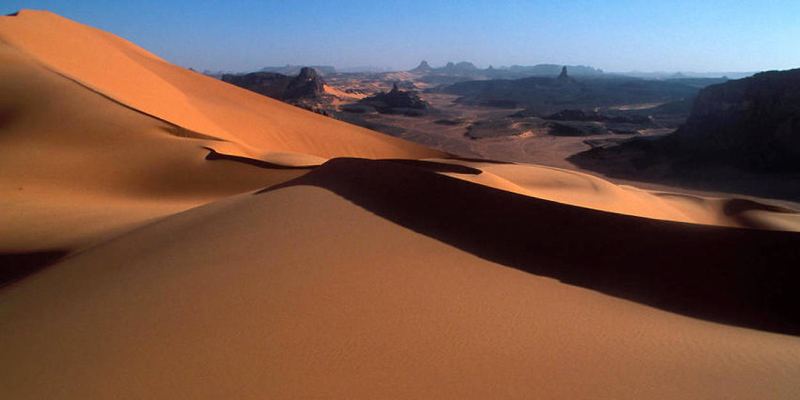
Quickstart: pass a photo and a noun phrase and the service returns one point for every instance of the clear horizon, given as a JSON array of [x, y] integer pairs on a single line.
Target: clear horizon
[[616, 36]]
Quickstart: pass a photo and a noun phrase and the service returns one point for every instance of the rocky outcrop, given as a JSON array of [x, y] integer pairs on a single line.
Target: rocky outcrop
[[564, 78], [563, 75], [267, 83], [306, 90], [396, 101], [753, 122], [306, 85]]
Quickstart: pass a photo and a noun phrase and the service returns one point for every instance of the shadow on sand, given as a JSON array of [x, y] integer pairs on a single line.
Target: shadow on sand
[[736, 276], [15, 266]]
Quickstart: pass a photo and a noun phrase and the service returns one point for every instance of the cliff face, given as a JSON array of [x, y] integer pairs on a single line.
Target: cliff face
[[753, 122]]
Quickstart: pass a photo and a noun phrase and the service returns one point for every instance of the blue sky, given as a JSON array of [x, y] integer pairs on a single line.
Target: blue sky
[[711, 35]]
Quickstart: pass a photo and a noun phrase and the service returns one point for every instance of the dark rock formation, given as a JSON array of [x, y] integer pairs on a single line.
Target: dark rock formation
[[563, 75], [306, 85], [306, 90], [742, 136], [564, 78], [753, 122], [396, 101], [267, 83]]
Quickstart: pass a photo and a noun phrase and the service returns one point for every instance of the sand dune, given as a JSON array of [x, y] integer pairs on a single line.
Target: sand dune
[[76, 166], [588, 191], [128, 74], [163, 235]]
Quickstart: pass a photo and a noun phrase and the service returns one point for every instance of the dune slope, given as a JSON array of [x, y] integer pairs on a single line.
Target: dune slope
[[166, 235], [76, 166], [99, 135], [215, 303], [141, 80]]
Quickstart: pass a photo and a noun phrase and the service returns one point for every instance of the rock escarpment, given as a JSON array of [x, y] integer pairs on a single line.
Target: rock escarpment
[[752, 122]]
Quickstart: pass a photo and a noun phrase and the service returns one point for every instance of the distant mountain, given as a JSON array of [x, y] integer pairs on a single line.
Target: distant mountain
[[295, 69], [422, 68], [551, 94], [462, 68], [519, 71], [460, 71]]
